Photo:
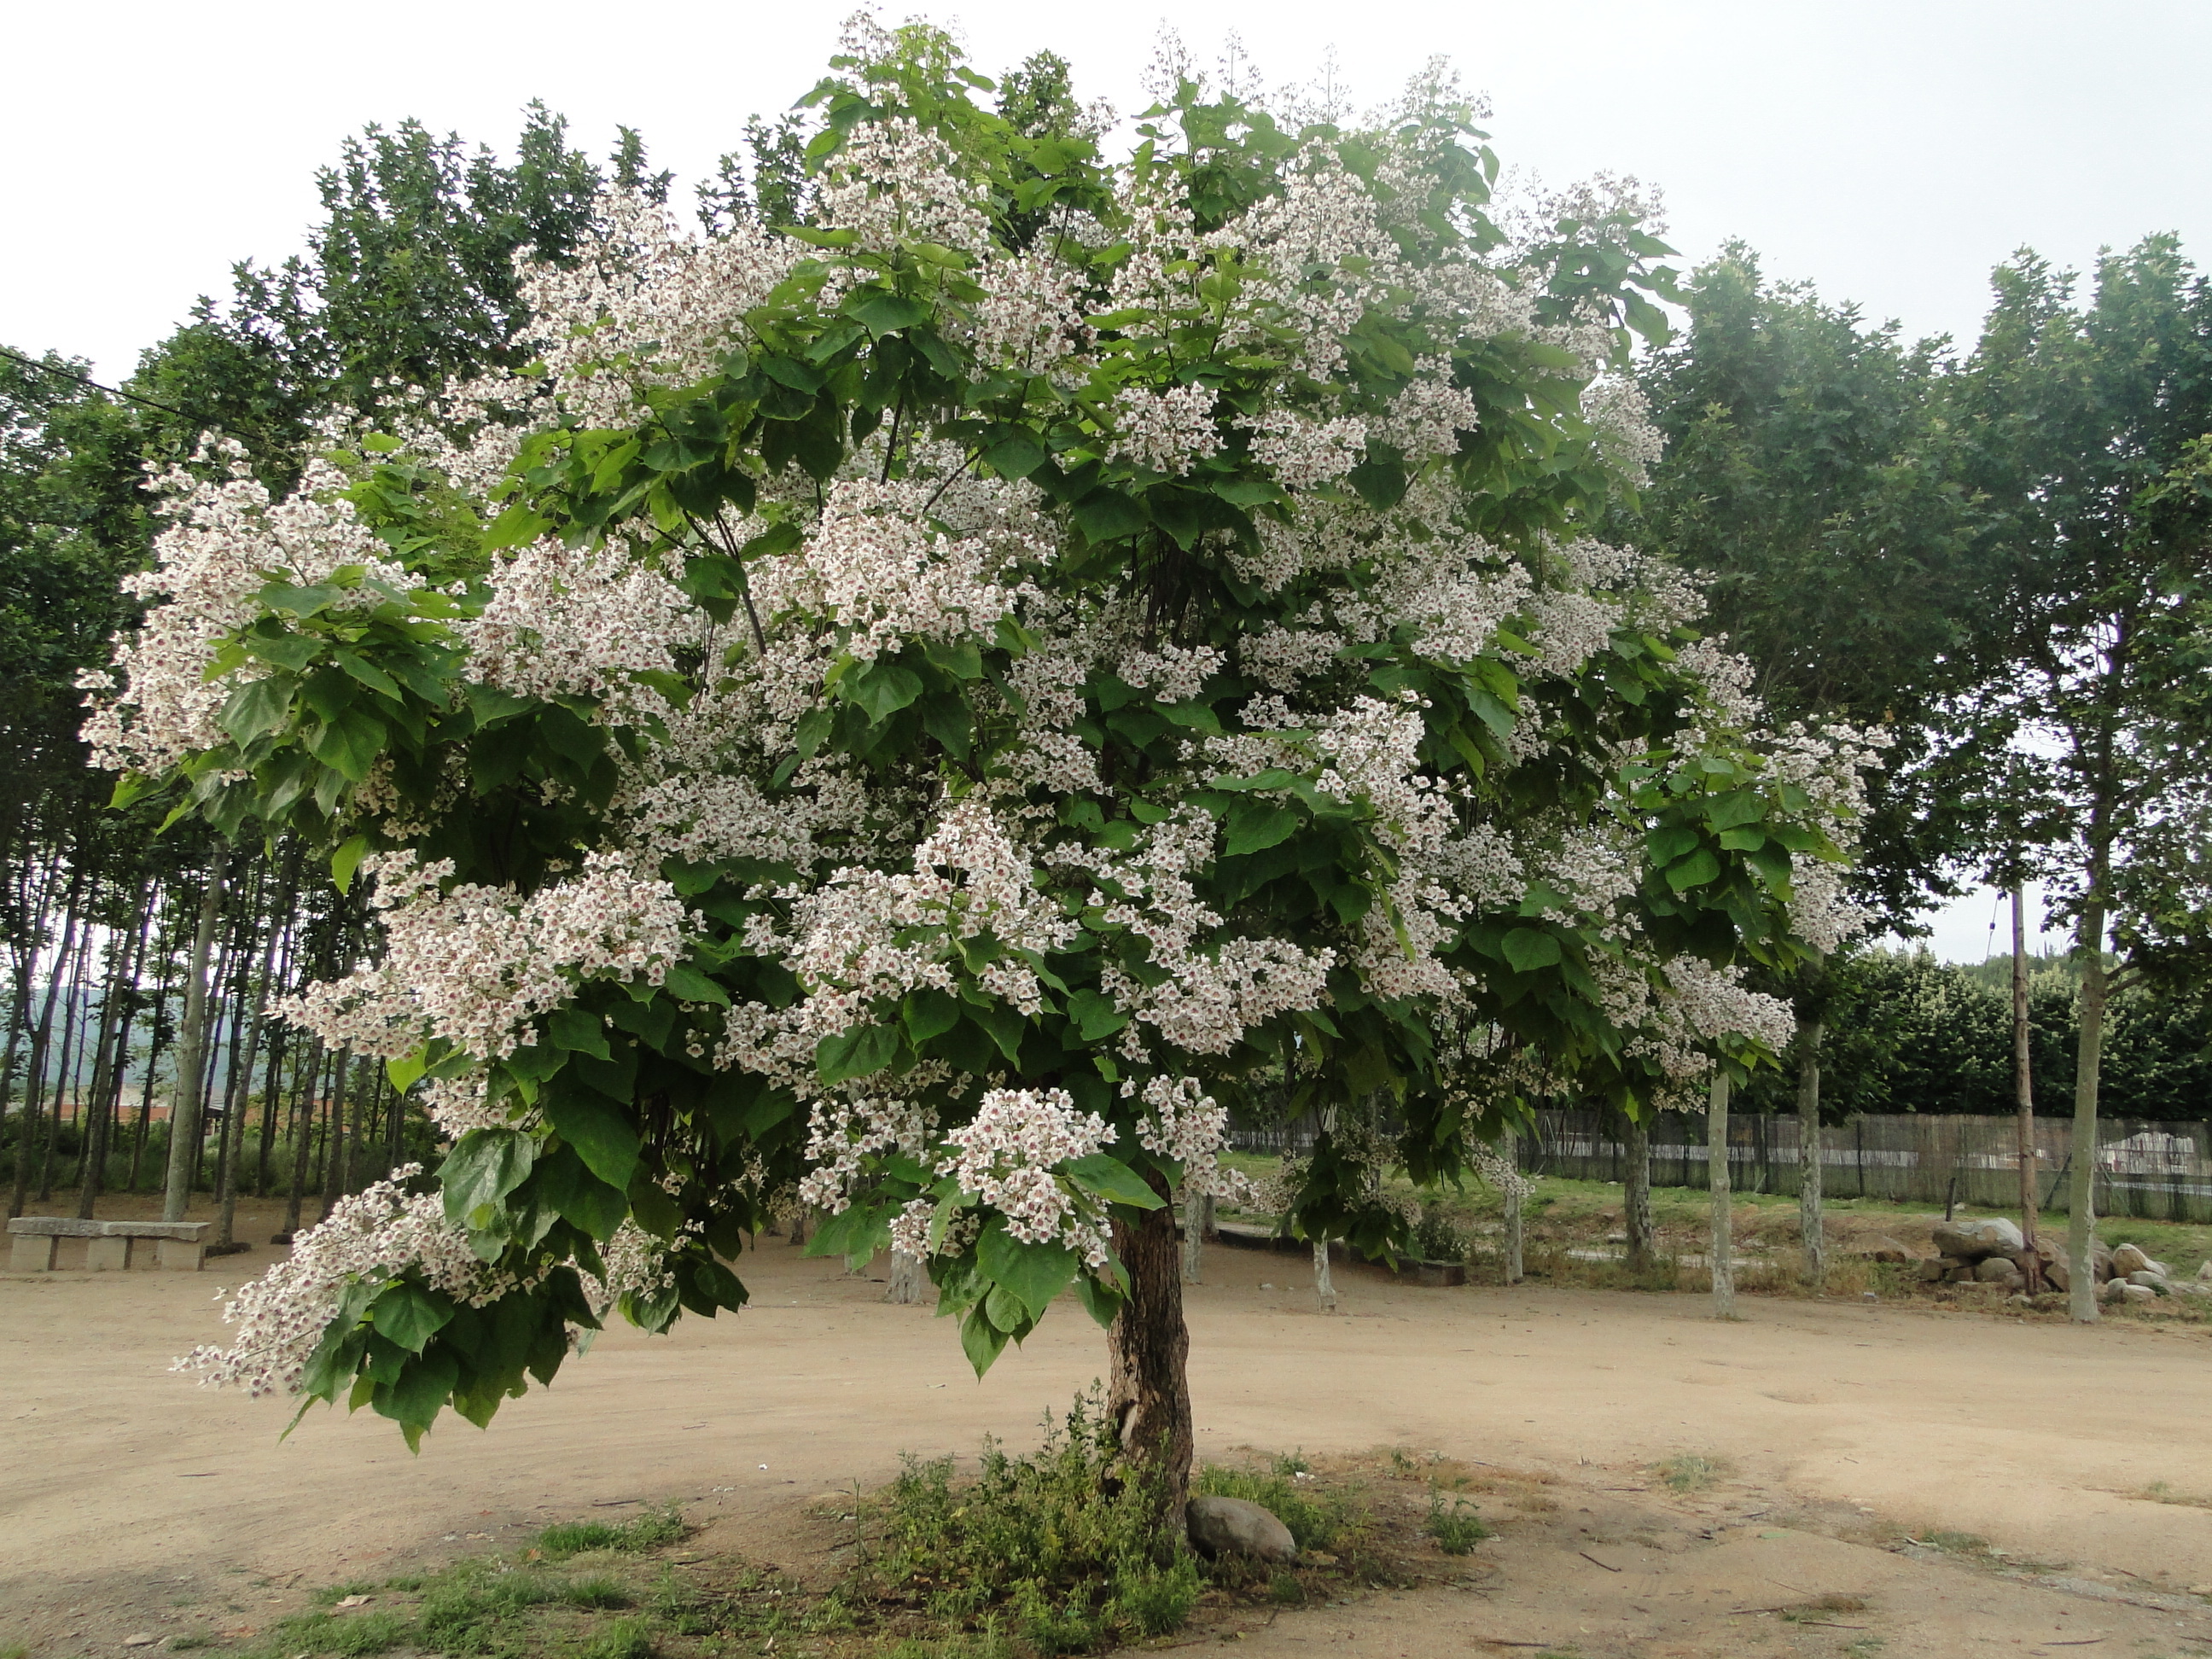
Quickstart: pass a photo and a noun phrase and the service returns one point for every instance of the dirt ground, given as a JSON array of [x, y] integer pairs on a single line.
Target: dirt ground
[[133, 1503]]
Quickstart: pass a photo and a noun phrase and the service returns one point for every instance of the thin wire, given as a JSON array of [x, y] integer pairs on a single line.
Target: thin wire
[[86, 379]]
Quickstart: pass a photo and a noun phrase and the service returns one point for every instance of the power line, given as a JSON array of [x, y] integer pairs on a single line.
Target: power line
[[112, 392]]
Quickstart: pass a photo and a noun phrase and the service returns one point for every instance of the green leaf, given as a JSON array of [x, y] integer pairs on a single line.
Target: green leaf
[[484, 1168], [857, 1051], [929, 1012], [1257, 825], [981, 1340], [1738, 806], [365, 671], [1530, 949], [885, 689], [1032, 1273], [1693, 871], [405, 1069], [578, 1030], [1742, 841], [344, 862], [257, 706], [1095, 1016], [1114, 1180], [1099, 1300], [1106, 515], [1667, 845], [884, 313], [415, 1400], [349, 745], [689, 985], [599, 1130], [409, 1315]]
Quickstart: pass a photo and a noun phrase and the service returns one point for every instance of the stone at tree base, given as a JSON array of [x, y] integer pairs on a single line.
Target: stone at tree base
[[2129, 1259], [2204, 1269], [2056, 1273], [1996, 1270], [2135, 1292], [1236, 1526]]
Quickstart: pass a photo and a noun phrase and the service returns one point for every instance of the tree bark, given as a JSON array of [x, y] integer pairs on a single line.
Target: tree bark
[[191, 1058], [2023, 1091], [910, 1279], [303, 1122], [1636, 1192], [335, 1160], [27, 1128], [1148, 1392], [1811, 1173], [1512, 1214], [1196, 1215], [1324, 1281], [1722, 1252], [2081, 1219]]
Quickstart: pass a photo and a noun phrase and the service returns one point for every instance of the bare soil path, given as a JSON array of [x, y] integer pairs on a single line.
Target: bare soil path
[[132, 1502]]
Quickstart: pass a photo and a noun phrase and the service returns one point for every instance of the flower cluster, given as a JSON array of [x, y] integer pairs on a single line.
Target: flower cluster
[[477, 965], [1164, 431], [370, 1237], [1006, 1157]]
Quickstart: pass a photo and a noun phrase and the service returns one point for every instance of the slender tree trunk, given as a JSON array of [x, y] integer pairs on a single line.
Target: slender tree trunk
[[336, 1161], [1636, 1191], [1722, 1251], [108, 1060], [303, 1126], [34, 1085], [234, 1116], [71, 1059], [191, 1058], [910, 1279], [1148, 1390], [1324, 1281], [1194, 1238], [2023, 1091], [1513, 1263], [2081, 1220], [1811, 1173]]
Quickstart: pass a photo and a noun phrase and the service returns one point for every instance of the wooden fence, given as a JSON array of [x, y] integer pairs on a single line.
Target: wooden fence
[[2161, 1171]]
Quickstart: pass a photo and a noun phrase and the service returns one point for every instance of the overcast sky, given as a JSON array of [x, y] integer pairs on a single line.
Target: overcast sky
[[1890, 152]]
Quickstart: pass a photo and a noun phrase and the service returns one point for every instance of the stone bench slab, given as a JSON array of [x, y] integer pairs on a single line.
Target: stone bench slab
[[60, 1226], [180, 1246]]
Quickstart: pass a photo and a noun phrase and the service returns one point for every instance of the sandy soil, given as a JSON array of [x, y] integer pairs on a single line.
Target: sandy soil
[[134, 1503]]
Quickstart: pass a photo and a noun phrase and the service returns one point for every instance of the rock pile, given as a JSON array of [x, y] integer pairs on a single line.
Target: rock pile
[[1992, 1252]]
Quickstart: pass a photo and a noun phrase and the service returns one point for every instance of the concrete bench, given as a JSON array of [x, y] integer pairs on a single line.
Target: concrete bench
[[108, 1245]]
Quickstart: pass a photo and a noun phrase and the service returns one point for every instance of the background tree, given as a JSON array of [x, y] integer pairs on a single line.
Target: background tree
[[2087, 430], [1811, 476]]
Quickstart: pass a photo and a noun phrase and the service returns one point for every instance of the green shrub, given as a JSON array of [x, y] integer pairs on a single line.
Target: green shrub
[[625, 1639], [346, 1635], [1457, 1529], [1068, 1549], [600, 1591], [470, 1611]]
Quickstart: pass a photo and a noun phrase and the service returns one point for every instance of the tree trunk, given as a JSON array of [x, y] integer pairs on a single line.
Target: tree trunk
[[1149, 1390], [303, 1122], [108, 1060], [1324, 1281], [1722, 1250], [1512, 1214], [71, 1059], [1636, 1191], [2023, 1091], [191, 1058], [1194, 1218], [2081, 1220], [335, 1161], [1811, 1173], [910, 1279], [34, 1077]]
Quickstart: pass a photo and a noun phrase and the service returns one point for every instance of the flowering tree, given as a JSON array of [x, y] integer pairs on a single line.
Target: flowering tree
[[938, 704]]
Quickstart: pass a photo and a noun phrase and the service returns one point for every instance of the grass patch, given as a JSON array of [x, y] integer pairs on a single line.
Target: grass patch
[[1066, 1550], [1688, 1473], [646, 1532], [1824, 1604], [2159, 1493]]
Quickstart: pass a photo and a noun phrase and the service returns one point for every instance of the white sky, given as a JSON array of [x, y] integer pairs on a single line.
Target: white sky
[[1891, 152]]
